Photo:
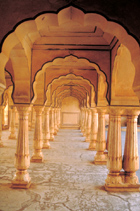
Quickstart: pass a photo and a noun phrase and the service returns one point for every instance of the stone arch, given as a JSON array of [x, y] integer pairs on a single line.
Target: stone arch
[[29, 31], [102, 85]]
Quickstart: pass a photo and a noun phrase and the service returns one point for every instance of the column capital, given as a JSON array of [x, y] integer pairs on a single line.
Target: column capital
[[93, 110], [38, 108], [115, 110], [22, 108], [47, 108], [101, 109], [134, 111]]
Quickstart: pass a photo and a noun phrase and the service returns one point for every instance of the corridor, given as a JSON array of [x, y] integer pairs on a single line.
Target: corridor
[[66, 180]]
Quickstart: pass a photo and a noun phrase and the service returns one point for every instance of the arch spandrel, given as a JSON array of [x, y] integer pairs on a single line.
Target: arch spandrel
[[122, 79]]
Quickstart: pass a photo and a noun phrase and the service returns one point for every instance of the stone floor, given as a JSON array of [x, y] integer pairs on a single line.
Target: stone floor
[[66, 181]]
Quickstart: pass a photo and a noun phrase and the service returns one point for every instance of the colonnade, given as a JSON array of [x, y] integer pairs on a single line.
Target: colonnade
[[30, 117], [122, 169]]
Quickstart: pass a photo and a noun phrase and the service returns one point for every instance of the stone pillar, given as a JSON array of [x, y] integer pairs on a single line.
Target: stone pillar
[[12, 123], [81, 115], [33, 118], [55, 121], [118, 180], [85, 122], [30, 118], [88, 134], [101, 156], [16, 118], [52, 125], [38, 136], [46, 144], [1, 143], [3, 117], [114, 162], [107, 141], [59, 119], [131, 158], [22, 158], [94, 129], [57, 113]]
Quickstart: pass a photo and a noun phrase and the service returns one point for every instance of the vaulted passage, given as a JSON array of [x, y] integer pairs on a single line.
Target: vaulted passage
[[72, 70]]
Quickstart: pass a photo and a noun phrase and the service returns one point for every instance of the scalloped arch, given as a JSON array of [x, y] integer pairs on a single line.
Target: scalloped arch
[[29, 31], [102, 84]]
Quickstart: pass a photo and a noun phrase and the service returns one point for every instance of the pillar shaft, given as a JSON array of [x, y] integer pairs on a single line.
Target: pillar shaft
[[1, 143], [46, 144], [55, 121], [52, 125], [12, 123], [114, 162], [88, 134], [59, 119], [85, 122], [131, 158], [101, 156], [30, 118], [94, 129], [22, 158], [38, 136]]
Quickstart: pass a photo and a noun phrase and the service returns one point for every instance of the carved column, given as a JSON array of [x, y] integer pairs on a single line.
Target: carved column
[[109, 125], [46, 144], [30, 118], [16, 118], [33, 118], [52, 125], [59, 121], [38, 136], [22, 158], [94, 129], [12, 123], [88, 134], [55, 121], [85, 122], [1, 143], [81, 115], [58, 118], [101, 156], [131, 158], [114, 162]]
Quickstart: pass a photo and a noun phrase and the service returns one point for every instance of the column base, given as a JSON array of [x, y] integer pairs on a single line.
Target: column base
[[12, 136], [1, 144], [87, 139], [37, 159], [46, 145], [51, 137], [123, 187], [21, 180], [117, 182], [92, 146], [101, 158]]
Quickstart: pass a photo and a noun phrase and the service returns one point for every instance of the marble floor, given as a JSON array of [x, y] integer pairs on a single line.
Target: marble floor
[[67, 180]]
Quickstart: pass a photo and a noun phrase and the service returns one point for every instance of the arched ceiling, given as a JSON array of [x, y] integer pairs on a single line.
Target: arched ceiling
[[70, 32]]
